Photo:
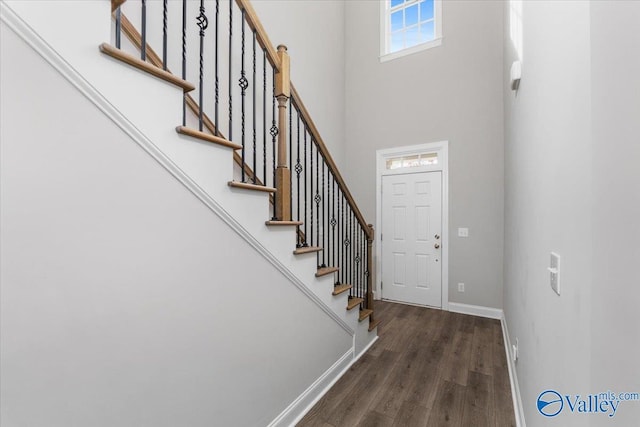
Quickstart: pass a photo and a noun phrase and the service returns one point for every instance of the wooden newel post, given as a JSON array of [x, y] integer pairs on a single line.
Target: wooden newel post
[[283, 174], [370, 269]]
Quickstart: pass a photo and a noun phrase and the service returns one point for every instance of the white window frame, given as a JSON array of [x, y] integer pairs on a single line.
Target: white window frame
[[385, 6]]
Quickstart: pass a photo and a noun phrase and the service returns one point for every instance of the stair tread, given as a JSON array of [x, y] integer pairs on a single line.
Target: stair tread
[[337, 290], [141, 65], [183, 130], [307, 250], [326, 270], [247, 186], [354, 302], [374, 324], [364, 314], [284, 223]]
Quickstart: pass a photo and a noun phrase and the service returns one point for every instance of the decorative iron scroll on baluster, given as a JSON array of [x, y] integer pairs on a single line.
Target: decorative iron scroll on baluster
[[203, 23], [244, 84]]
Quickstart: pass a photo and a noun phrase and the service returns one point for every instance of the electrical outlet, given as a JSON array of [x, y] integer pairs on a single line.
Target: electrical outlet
[[514, 351], [460, 287], [463, 232]]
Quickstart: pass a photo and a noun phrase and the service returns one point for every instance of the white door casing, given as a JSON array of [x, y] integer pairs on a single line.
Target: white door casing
[[412, 238]]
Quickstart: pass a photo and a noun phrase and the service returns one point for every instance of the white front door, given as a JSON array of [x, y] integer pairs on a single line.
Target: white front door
[[411, 238]]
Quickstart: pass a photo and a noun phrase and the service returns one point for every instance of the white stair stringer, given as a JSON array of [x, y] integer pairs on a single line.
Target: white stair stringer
[[149, 109]]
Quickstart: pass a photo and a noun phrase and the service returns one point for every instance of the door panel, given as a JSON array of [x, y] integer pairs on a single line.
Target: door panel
[[412, 220]]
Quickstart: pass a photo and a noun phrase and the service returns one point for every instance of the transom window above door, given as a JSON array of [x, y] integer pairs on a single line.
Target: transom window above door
[[408, 26]]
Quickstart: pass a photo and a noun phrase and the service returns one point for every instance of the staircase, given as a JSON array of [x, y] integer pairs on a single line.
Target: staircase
[[199, 86], [266, 129]]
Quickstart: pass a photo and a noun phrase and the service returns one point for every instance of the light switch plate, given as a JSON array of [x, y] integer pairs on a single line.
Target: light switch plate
[[554, 272], [463, 232]]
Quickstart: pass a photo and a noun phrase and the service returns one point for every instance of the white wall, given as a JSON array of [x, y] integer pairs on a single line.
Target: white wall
[[452, 92], [120, 304], [615, 201], [313, 31]]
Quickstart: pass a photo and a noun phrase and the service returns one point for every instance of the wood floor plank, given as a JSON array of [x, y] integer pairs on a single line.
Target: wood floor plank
[[411, 415], [422, 390], [395, 388], [458, 358], [343, 387], [478, 401], [354, 405], [482, 350], [375, 419], [448, 407]]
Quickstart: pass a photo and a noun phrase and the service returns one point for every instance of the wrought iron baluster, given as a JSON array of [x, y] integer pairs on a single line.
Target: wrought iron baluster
[[203, 23], [264, 116], [298, 172], [318, 199], [230, 71], [143, 31], [343, 237], [164, 35], [290, 154], [244, 83], [118, 27], [333, 220], [274, 134], [217, 97], [184, 59], [311, 191], [305, 186], [253, 103], [358, 260], [363, 263], [324, 218]]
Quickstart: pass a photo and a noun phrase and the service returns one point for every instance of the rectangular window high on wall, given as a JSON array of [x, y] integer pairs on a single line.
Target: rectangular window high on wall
[[409, 26]]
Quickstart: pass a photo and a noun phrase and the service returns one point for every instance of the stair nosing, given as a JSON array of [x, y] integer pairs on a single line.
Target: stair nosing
[[326, 270], [364, 314], [351, 304], [374, 324], [337, 290], [254, 187], [283, 223], [146, 67], [183, 130], [307, 250]]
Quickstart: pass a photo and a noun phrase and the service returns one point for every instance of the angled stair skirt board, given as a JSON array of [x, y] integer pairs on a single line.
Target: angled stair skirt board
[[15, 23]]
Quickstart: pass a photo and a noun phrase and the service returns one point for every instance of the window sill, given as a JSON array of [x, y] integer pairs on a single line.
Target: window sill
[[411, 50]]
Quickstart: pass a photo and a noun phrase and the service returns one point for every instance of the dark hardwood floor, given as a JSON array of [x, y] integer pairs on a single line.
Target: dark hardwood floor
[[428, 368]]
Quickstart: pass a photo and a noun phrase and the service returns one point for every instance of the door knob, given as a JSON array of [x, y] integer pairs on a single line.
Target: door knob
[[437, 236], [437, 246]]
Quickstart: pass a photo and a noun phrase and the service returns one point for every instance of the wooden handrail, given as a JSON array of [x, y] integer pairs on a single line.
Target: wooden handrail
[[261, 34], [116, 4], [324, 151]]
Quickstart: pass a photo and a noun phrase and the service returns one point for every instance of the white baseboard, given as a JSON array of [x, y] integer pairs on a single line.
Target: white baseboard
[[513, 377], [303, 404], [476, 310], [299, 407]]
